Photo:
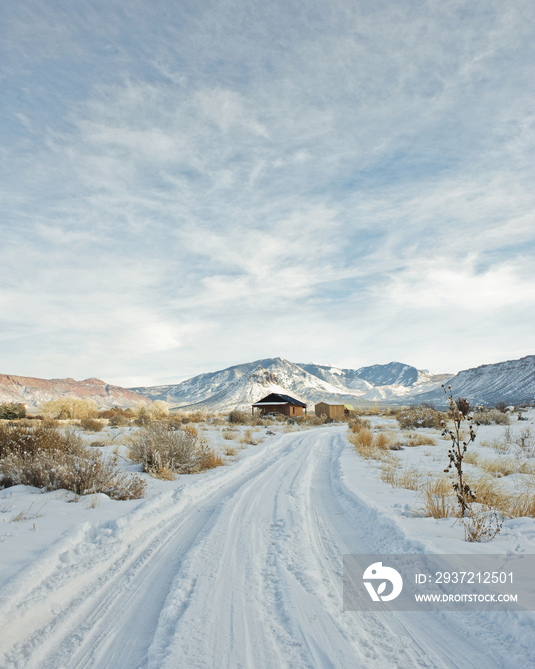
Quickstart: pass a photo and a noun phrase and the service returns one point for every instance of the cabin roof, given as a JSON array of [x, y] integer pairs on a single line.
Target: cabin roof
[[278, 398]]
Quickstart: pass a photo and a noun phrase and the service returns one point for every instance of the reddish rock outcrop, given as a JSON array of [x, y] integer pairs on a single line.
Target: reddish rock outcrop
[[33, 392]]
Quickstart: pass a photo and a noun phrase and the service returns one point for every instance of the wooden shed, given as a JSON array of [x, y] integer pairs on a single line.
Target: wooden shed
[[330, 409], [284, 404]]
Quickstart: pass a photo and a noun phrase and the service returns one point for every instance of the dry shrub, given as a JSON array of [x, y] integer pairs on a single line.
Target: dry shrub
[[91, 425], [381, 442], [522, 504], [311, 420], [192, 431], [159, 446], [239, 417], [231, 451], [44, 437], [229, 434], [49, 459], [70, 407], [437, 498], [408, 478], [118, 421], [367, 446], [482, 523], [490, 416], [420, 440], [471, 458], [248, 438], [499, 445], [389, 467], [210, 459], [423, 416], [506, 466], [356, 424]]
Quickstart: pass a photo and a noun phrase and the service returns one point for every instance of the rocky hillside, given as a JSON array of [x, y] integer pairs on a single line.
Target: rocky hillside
[[512, 382], [34, 392]]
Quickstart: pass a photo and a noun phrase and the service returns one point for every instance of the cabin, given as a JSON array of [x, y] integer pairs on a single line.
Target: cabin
[[284, 404], [330, 409]]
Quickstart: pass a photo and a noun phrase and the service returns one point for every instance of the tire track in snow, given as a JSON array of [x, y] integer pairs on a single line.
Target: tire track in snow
[[240, 569]]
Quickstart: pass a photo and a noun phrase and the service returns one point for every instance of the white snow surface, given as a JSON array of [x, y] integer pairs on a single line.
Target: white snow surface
[[240, 567]]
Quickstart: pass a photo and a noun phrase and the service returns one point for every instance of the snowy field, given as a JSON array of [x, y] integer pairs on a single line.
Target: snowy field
[[241, 566]]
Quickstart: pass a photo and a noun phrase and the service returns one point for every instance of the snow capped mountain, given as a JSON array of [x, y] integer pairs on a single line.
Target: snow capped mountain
[[227, 386], [512, 381], [242, 385], [245, 391]]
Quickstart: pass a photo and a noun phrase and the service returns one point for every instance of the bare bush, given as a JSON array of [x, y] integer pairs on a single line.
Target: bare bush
[[49, 459], [239, 417], [422, 416], [490, 416], [157, 447], [356, 424], [482, 523], [118, 421], [91, 425], [463, 405]]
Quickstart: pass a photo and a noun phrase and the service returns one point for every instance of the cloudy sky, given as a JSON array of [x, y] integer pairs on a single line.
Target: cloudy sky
[[193, 184]]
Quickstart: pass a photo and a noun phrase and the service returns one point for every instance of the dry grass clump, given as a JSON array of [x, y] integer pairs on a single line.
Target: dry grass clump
[[47, 458], [420, 440], [400, 477], [422, 416], [191, 430], [506, 466], [239, 417], [389, 467], [490, 416], [471, 458], [369, 446], [356, 424], [160, 447], [248, 438], [522, 504], [230, 434], [91, 425], [438, 500], [409, 478]]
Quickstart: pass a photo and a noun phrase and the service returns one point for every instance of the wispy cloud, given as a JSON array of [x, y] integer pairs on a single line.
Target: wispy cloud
[[189, 186]]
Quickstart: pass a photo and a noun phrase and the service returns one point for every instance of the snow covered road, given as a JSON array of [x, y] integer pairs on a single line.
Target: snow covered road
[[240, 569]]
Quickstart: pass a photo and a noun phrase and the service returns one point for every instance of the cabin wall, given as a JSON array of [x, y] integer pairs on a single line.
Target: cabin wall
[[331, 411]]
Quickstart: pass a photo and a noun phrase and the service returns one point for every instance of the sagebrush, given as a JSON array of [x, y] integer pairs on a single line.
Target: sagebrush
[[164, 446], [50, 459]]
